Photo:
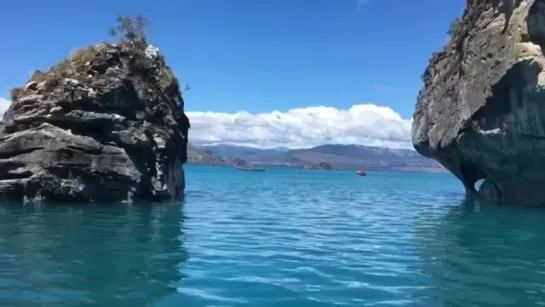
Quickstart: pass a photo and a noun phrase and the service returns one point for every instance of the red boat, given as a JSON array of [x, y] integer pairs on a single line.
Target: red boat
[[362, 172]]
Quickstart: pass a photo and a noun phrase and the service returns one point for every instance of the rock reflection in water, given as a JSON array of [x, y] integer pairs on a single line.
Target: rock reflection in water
[[77, 256], [482, 255]]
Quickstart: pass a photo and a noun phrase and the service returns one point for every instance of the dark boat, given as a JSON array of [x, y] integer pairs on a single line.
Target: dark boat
[[249, 169], [362, 172]]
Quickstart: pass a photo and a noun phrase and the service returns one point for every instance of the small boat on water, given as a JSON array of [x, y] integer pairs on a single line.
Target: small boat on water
[[249, 169], [362, 172]]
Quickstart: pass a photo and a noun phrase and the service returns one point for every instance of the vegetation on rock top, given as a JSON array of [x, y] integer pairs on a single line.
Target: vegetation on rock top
[[132, 49]]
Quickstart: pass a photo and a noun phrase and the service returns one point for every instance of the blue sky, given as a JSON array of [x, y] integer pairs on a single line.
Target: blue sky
[[251, 55]]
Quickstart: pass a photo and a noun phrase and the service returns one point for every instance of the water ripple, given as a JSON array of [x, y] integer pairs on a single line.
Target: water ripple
[[285, 238]]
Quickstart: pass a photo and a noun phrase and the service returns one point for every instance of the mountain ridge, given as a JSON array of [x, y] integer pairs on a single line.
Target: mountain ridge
[[339, 156]]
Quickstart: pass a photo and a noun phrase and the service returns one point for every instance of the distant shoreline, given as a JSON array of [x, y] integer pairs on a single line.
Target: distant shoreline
[[393, 170], [329, 156]]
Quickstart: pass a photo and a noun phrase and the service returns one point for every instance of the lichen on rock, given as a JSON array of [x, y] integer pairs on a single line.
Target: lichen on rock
[[481, 112], [105, 124]]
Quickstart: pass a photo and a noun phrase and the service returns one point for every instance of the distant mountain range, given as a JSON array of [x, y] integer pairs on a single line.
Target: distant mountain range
[[202, 156], [336, 155]]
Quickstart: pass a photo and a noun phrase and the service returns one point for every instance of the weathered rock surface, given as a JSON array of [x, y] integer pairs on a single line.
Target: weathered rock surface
[[106, 124], [481, 112]]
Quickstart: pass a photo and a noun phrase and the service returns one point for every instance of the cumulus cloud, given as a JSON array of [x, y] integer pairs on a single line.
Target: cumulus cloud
[[362, 124], [4, 105]]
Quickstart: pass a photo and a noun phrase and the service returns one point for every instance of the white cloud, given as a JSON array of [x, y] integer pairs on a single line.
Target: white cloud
[[4, 105], [363, 124]]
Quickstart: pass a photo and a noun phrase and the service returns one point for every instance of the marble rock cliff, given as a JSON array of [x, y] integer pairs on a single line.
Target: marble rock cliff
[[481, 112], [106, 124]]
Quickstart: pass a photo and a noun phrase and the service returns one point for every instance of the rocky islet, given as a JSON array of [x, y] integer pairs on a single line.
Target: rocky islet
[[106, 124]]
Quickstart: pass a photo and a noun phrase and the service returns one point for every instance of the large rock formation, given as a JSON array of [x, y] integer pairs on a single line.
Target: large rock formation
[[481, 112], [106, 124]]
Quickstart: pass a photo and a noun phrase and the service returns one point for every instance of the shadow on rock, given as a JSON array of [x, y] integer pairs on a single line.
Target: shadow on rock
[[105, 124]]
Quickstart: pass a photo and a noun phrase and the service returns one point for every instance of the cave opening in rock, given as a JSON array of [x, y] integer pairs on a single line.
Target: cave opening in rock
[[478, 184]]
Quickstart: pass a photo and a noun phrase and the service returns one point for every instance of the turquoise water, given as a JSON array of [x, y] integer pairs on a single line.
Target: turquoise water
[[287, 238]]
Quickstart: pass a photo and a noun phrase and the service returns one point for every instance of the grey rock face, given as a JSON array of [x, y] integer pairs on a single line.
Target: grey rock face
[[481, 112], [105, 125]]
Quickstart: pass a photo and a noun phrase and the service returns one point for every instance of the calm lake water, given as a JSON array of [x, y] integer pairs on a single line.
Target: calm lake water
[[288, 238]]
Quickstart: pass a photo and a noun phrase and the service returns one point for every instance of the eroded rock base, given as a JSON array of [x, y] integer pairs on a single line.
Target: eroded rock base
[[481, 113]]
